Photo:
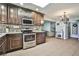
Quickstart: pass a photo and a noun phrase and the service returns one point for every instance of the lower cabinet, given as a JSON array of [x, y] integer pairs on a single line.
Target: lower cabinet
[[14, 41], [2, 45], [40, 37]]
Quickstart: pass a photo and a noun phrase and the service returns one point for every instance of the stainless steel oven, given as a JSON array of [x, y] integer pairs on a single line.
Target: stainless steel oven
[[29, 38]]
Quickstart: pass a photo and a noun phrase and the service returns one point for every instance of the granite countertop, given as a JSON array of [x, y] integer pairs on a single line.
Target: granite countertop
[[13, 32], [3, 34], [38, 31]]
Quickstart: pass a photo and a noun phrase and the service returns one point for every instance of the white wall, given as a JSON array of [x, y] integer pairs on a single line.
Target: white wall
[[62, 29]]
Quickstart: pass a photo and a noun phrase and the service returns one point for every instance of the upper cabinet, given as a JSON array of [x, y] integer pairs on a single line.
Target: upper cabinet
[[37, 18], [12, 14], [19, 15], [3, 13]]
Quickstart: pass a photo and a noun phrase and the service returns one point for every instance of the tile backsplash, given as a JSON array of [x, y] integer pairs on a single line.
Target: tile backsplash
[[37, 28], [2, 28], [9, 28], [14, 28]]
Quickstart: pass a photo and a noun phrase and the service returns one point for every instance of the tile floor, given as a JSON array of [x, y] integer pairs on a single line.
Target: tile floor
[[53, 47]]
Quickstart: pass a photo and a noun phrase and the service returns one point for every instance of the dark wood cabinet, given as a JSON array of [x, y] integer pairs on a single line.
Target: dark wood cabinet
[[40, 37], [3, 44], [37, 18], [3, 13], [14, 41], [19, 20], [12, 14]]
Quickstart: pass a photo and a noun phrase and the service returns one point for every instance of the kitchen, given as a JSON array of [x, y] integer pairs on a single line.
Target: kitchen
[[31, 30], [19, 28]]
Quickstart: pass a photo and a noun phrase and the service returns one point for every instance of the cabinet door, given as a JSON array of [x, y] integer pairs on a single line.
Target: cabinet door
[[14, 41], [19, 16], [0, 13], [34, 17], [43, 37], [40, 38], [9, 37], [12, 15], [2, 45], [37, 18], [3, 13]]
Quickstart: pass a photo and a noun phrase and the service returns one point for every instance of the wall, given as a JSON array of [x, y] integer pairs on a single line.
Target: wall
[[49, 26], [59, 28], [62, 29], [46, 26]]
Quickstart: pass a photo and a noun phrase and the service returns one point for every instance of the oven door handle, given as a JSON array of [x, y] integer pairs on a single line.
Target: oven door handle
[[30, 34]]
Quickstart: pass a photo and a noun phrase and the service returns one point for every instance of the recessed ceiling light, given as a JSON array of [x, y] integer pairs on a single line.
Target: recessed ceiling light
[[2, 6], [11, 10], [21, 3], [37, 9]]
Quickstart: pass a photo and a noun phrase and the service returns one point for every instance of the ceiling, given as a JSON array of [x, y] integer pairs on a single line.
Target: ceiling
[[55, 10], [31, 6]]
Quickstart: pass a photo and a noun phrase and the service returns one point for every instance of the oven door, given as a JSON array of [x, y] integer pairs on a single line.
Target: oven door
[[29, 37]]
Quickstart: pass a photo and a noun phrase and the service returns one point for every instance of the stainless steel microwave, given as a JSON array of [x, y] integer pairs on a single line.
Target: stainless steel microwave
[[27, 21]]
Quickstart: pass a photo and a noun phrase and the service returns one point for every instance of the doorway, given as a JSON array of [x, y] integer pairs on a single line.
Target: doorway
[[74, 30], [53, 28]]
